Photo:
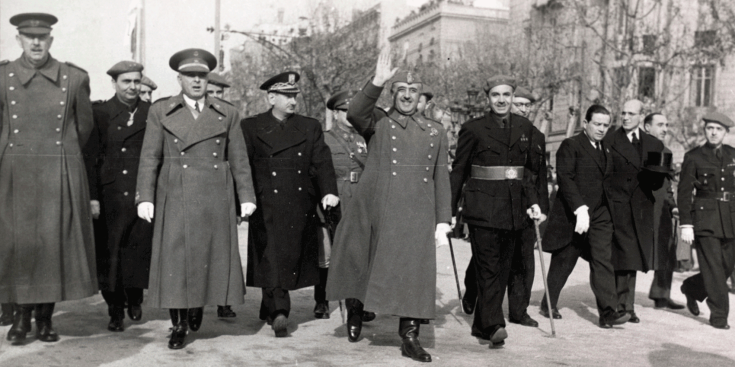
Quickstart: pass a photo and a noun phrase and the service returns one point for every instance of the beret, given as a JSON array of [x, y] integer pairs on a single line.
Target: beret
[[123, 67], [147, 81], [719, 118], [524, 93], [497, 80], [406, 77], [217, 79]]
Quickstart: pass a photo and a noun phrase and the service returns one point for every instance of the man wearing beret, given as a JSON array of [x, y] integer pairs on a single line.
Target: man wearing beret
[[47, 252], [147, 86], [292, 173], [384, 255], [631, 203], [113, 153], [707, 216], [216, 86], [494, 170], [192, 163]]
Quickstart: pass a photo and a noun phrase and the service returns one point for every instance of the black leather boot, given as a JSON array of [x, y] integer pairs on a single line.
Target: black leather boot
[[354, 318], [321, 309], [195, 318], [179, 319], [409, 332], [21, 323], [225, 312], [117, 314], [44, 329], [7, 317]]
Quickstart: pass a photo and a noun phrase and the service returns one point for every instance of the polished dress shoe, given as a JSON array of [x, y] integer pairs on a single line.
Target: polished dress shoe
[[195, 316], [321, 310], [178, 334], [692, 305], [525, 320], [21, 324], [633, 318], [368, 316], [667, 303], [408, 329], [355, 313], [468, 304], [117, 314], [496, 337], [225, 311], [135, 312], [7, 317], [544, 311], [44, 329], [280, 325], [614, 318]]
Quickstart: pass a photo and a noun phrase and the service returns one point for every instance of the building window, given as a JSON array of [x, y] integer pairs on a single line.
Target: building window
[[431, 42], [432, 55], [702, 85], [649, 44], [421, 46], [646, 82], [705, 38]]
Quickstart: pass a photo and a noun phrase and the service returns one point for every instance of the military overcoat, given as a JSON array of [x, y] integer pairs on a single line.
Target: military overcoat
[[349, 155], [191, 170], [384, 248], [287, 159], [113, 153], [47, 247]]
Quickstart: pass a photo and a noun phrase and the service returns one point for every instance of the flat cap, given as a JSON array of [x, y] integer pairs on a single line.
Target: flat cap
[[123, 67], [33, 23], [497, 80], [147, 81], [718, 118], [522, 92], [341, 100], [192, 59], [406, 77], [282, 83], [218, 80]]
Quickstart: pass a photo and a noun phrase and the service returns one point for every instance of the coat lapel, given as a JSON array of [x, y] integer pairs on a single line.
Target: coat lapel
[[622, 145], [177, 119], [278, 138], [119, 115], [491, 124], [590, 150], [515, 131], [210, 123]]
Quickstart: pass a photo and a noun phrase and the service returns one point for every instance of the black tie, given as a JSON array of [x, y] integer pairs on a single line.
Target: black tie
[[636, 143], [718, 153], [598, 146]]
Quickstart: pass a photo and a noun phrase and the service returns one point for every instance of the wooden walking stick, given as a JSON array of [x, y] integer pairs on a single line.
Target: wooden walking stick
[[454, 265], [543, 275]]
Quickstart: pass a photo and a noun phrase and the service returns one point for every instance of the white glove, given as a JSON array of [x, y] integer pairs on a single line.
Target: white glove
[[145, 211], [534, 212], [247, 209], [329, 200], [442, 229], [583, 220], [95, 207], [687, 235]]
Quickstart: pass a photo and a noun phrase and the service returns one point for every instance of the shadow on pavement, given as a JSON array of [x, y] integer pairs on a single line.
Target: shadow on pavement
[[673, 355]]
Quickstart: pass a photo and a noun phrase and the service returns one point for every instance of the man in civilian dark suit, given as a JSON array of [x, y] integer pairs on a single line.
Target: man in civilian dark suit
[[580, 223], [631, 204]]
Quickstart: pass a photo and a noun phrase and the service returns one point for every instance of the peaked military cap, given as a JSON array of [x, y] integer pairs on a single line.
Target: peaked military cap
[[341, 100], [497, 80], [522, 92], [217, 79], [33, 23], [123, 67], [406, 77], [282, 83], [147, 81], [718, 118], [192, 59]]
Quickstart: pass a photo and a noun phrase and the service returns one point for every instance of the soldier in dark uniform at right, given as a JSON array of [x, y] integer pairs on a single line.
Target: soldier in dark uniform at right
[[708, 215]]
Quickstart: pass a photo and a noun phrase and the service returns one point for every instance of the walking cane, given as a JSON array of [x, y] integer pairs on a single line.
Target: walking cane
[[543, 275], [454, 265]]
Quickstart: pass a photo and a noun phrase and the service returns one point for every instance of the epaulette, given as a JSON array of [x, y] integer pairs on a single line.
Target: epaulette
[[222, 100], [75, 66], [4, 62]]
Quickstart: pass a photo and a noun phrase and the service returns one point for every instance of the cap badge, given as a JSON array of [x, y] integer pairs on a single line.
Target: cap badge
[[196, 53], [291, 78], [35, 23], [409, 78]]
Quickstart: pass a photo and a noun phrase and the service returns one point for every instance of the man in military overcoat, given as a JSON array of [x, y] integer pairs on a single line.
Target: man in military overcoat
[[291, 164], [631, 204], [124, 239], [47, 249], [192, 163], [494, 170], [708, 216]]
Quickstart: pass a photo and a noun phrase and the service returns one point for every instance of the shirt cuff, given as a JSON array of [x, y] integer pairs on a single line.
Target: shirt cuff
[[686, 226]]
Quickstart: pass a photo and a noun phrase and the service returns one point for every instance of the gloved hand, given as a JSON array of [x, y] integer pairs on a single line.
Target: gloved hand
[[145, 211], [247, 209], [534, 212], [329, 200], [95, 207], [442, 229], [583, 220], [687, 235]]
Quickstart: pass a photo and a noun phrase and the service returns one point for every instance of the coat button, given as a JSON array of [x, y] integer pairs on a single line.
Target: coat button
[[275, 191], [429, 156], [274, 173], [58, 129], [119, 127], [13, 102], [125, 193], [58, 143], [394, 173], [299, 189], [395, 150], [427, 168], [299, 171], [182, 153], [64, 77], [214, 154], [11, 75], [723, 179], [62, 103], [394, 138], [185, 166], [393, 126], [123, 149], [10, 145], [63, 90], [58, 117], [431, 145], [17, 131], [215, 166], [176, 140], [395, 161], [217, 141], [220, 118], [15, 116], [722, 189], [12, 88], [426, 180], [125, 172], [299, 154]]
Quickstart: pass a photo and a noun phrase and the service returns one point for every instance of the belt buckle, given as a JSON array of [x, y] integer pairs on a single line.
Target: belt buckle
[[511, 173], [354, 177], [726, 196]]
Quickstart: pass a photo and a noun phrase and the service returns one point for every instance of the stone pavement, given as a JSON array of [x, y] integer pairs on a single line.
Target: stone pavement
[[663, 338]]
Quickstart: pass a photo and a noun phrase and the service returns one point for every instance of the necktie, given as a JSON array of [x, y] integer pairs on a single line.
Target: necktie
[[718, 153], [196, 106], [636, 143], [598, 145], [195, 111]]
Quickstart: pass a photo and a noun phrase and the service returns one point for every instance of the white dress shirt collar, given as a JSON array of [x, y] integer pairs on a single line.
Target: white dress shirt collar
[[191, 102]]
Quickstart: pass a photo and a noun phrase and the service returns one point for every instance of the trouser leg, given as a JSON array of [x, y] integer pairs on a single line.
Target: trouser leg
[[716, 257], [134, 296], [470, 282], [561, 266], [275, 301], [116, 298], [320, 290], [522, 270], [625, 286], [602, 273], [661, 285]]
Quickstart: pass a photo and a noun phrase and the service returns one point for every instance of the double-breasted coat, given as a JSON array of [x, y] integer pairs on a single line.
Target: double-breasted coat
[[631, 201], [113, 154], [287, 159], [47, 248], [191, 168], [384, 248], [349, 154]]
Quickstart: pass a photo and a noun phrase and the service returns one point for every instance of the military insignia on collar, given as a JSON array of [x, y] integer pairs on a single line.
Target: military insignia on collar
[[524, 138], [409, 78], [434, 132], [291, 78]]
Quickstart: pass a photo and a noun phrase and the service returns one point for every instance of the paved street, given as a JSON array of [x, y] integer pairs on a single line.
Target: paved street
[[663, 338]]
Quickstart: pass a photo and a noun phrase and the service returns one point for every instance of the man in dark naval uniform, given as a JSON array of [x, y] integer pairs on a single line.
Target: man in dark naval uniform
[[708, 217], [494, 170], [123, 239], [47, 248], [288, 157]]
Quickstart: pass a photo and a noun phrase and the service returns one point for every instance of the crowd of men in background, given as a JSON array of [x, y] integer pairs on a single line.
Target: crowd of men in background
[[123, 195]]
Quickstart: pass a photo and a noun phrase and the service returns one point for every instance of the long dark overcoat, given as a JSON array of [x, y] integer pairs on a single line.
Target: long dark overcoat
[[287, 159], [113, 153], [47, 247], [191, 169], [664, 257], [631, 204], [384, 250]]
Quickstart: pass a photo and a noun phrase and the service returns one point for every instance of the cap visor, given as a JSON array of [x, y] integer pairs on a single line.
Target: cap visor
[[194, 68], [35, 30]]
